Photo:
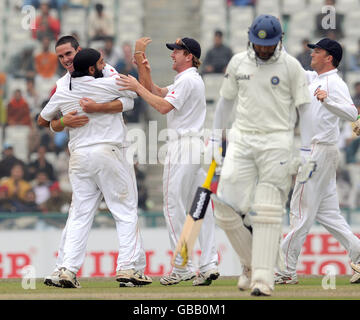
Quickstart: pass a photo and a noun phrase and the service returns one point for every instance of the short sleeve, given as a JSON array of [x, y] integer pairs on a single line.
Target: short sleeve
[[299, 83], [51, 109], [178, 93], [229, 88]]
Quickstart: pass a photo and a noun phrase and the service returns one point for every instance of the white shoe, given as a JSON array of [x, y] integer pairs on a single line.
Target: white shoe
[[53, 279], [244, 279], [355, 278], [132, 278], [260, 289], [355, 266], [281, 278], [175, 278], [68, 279], [205, 278]]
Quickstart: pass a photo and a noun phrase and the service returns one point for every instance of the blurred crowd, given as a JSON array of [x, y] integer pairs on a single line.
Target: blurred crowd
[[34, 161]]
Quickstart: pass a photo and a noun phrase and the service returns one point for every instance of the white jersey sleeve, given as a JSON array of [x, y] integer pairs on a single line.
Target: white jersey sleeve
[[109, 71], [339, 101], [299, 84], [179, 92], [229, 88], [52, 108]]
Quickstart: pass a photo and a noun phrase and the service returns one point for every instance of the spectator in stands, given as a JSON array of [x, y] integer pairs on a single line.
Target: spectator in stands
[[41, 164], [6, 204], [17, 186], [45, 24], [41, 186], [100, 25], [322, 19], [22, 63], [304, 56], [32, 98], [2, 91], [59, 201], [218, 56], [112, 55], [8, 161], [18, 112], [241, 2], [356, 97], [28, 204], [354, 59], [46, 62]]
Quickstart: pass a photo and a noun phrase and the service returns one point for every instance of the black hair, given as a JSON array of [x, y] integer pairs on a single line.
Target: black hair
[[67, 39]]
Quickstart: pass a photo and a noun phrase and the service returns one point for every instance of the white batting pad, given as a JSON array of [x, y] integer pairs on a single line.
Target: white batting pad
[[266, 222], [231, 222]]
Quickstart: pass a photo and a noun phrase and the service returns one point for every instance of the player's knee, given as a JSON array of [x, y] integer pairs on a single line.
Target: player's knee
[[268, 204], [225, 215]]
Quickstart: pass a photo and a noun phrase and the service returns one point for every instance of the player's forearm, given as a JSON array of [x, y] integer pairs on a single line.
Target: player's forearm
[[109, 107], [158, 103], [344, 111]]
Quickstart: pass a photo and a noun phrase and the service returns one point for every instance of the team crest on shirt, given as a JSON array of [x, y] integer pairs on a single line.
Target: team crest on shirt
[[275, 80]]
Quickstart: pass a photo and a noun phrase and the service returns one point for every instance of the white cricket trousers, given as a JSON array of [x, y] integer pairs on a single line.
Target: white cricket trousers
[[97, 171], [181, 178], [317, 200]]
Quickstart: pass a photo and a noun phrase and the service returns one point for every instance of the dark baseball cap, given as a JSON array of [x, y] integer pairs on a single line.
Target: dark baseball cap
[[333, 47], [188, 44]]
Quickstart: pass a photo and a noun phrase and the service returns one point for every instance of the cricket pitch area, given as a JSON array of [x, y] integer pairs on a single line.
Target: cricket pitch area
[[309, 288]]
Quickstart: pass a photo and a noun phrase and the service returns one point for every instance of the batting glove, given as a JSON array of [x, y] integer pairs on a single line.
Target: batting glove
[[213, 150], [306, 170]]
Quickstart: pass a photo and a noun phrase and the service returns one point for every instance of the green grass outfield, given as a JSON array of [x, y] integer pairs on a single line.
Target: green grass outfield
[[222, 289]]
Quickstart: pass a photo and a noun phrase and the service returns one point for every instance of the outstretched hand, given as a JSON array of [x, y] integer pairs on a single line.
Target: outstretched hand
[[142, 43], [127, 83]]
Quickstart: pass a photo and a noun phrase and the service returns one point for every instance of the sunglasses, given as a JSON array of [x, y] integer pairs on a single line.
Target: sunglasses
[[180, 43]]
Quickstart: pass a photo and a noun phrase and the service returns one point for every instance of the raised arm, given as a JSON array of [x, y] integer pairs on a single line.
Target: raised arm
[[144, 69]]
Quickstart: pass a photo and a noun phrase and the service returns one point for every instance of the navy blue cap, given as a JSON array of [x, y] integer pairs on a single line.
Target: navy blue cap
[[265, 30], [188, 44], [333, 47]]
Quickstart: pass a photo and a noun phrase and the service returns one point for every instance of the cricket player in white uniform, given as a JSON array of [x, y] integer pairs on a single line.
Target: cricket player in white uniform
[[66, 48], [317, 200], [184, 104], [255, 178], [98, 168]]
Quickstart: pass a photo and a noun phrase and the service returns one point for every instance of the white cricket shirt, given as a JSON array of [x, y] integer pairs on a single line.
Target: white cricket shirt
[[319, 122], [187, 96], [102, 127], [268, 92]]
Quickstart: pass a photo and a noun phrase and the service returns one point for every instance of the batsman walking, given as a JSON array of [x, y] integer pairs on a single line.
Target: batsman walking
[[255, 178]]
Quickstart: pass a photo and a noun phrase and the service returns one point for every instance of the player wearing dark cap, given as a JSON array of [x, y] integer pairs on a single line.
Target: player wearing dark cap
[[184, 104], [317, 200]]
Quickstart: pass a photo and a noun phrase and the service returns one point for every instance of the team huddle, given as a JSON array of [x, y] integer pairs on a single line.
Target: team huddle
[[268, 87]]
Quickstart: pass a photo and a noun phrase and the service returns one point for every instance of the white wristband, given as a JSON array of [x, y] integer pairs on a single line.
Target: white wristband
[[51, 128]]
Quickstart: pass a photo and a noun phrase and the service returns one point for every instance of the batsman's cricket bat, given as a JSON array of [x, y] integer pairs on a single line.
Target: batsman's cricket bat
[[193, 222]]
